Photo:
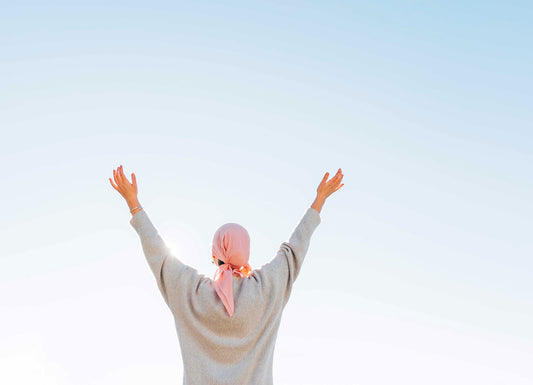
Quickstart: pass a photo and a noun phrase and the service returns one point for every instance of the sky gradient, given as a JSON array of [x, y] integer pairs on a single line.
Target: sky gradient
[[421, 270]]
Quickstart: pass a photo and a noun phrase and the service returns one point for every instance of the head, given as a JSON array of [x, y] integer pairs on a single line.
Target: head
[[231, 245]]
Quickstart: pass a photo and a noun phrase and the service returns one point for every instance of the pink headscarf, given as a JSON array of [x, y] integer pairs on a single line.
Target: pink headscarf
[[231, 244]]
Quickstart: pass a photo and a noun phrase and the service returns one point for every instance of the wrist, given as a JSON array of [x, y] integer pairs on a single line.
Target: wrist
[[318, 202], [132, 202], [135, 210]]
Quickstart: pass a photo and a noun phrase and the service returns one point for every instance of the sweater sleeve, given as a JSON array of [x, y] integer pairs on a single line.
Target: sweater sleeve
[[281, 272], [167, 268]]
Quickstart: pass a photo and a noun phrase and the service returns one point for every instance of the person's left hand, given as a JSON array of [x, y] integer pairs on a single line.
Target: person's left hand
[[122, 184]]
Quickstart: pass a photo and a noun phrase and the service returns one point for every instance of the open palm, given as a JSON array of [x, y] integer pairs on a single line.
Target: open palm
[[326, 188], [122, 184]]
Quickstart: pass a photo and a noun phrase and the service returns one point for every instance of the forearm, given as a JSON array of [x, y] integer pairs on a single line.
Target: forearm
[[133, 202], [318, 202]]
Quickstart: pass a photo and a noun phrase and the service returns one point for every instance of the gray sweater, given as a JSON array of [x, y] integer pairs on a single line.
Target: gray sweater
[[218, 349]]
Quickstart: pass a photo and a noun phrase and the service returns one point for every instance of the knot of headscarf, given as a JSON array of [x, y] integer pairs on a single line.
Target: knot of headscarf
[[231, 244]]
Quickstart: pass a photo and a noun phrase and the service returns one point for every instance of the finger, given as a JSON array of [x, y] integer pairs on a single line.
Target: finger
[[336, 179], [125, 177], [134, 179], [338, 187], [112, 184], [120, 174], [115, 175]]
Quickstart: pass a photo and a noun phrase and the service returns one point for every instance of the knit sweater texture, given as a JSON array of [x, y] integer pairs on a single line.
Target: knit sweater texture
[[218, 349]]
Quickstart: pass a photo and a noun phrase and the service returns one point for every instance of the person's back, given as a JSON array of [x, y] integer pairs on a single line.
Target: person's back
[[235, 348]]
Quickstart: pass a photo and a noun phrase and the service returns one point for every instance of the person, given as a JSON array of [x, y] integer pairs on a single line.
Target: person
[[226, 326]]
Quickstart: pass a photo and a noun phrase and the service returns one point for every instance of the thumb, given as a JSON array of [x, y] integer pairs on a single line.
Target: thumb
[[133, 178]]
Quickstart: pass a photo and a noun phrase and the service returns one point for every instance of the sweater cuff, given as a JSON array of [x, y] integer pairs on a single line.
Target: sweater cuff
[[140, 221]]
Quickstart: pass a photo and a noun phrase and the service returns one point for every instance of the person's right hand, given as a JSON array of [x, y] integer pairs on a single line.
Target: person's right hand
[[326, 188], [123, 186]]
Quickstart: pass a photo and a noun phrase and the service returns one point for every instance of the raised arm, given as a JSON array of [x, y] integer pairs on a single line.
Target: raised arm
[[296, 247], [168, 270], [280, 273]]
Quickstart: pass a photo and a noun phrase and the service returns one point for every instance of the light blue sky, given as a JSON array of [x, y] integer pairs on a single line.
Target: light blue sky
[[421, 270]]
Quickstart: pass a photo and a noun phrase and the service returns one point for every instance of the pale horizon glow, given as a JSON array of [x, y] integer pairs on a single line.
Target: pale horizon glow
[[421, 270]]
